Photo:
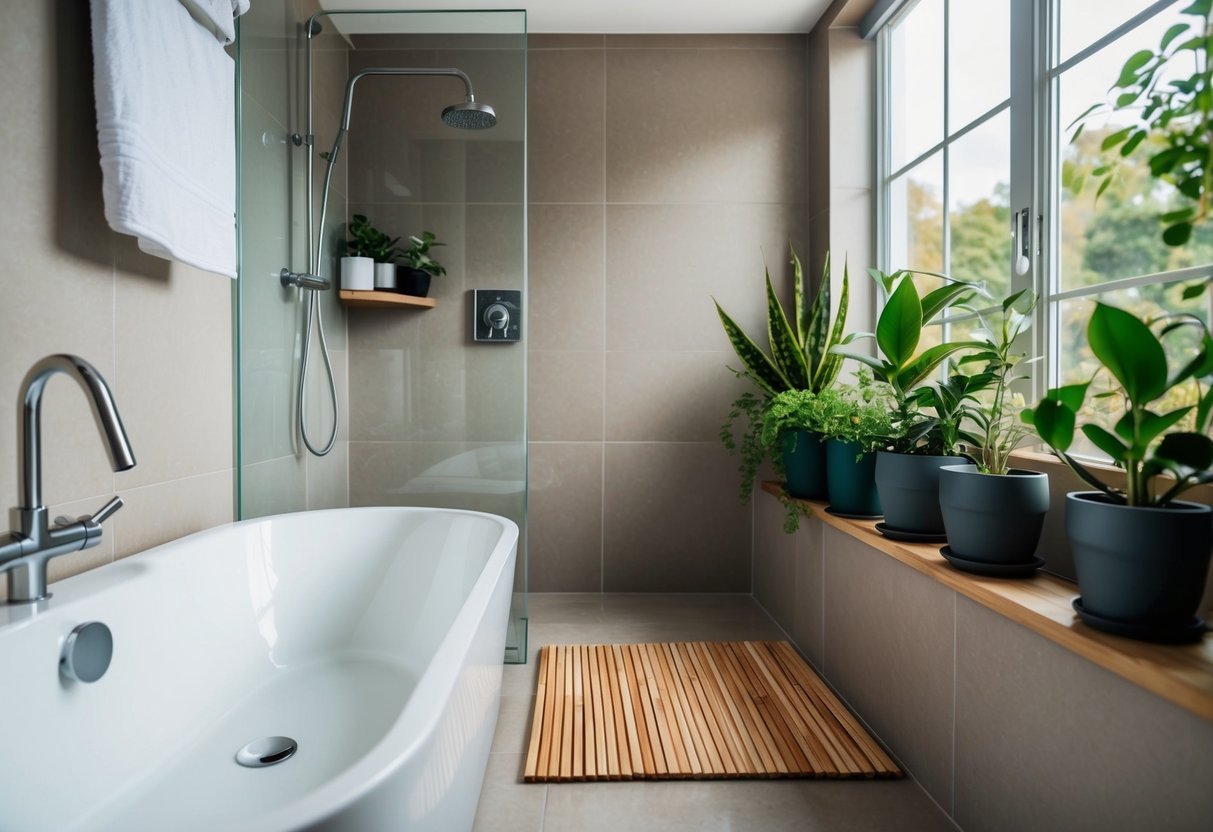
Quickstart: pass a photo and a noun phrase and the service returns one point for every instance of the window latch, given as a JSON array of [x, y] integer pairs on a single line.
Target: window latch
[[1021, 236]]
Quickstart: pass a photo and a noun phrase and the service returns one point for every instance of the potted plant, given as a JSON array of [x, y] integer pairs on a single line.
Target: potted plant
[[791, 433], [801, 357], [416, 267], [368, 256], [907, 468], [993, 514], [855, 421], [1141, 554]]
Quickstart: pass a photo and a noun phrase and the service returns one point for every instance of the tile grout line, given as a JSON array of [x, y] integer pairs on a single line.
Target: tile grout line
[[955, 629], [602, 441]]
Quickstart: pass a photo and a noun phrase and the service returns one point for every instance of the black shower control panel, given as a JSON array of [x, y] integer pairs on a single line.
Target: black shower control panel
[[497, 315]]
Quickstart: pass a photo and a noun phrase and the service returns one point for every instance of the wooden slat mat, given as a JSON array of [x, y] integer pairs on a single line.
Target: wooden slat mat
[[691, 710]]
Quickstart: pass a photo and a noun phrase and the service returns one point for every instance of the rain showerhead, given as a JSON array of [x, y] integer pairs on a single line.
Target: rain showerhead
[[470, 115]]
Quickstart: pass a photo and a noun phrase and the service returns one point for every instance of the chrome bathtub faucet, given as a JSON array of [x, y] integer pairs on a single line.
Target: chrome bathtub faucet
[[25, 556]]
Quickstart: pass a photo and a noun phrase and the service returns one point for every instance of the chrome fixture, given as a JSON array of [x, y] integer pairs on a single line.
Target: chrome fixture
[[469, 115], [87, 651], [266, 752], [25, 556]]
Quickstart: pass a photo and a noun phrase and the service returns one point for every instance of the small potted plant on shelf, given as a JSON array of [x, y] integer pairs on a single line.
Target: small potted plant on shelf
[[993, 514], [856, 421], [416, 266], [801, 358], [907, 468], [368, 256], [1141, 554]]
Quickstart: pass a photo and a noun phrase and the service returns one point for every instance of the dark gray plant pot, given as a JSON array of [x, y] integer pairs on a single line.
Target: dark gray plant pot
[[909, 490], [804, 464], [410, 281], [993, 518], [1139, 564], [850, 479]]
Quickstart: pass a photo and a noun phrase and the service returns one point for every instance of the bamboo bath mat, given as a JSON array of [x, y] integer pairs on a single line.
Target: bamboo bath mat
[[695, 710]]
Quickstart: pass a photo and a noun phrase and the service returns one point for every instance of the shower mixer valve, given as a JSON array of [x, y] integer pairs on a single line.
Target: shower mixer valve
[[497, 315]]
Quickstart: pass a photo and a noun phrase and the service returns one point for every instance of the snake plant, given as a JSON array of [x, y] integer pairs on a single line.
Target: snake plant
[[800, 356]]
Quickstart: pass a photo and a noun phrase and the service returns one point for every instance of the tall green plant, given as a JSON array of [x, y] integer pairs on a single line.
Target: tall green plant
[[899, 363], [1142, 441], [801, 356], [368, 241]]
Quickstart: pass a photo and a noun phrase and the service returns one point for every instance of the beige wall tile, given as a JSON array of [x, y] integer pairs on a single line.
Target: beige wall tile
[[705, 125], [178, 400], [1047, 740], [328, 483], [808, 615], [775, 562], [665, 263], [669, 396], [156, 514], [567, 129], [564, 517], [564, 395], [851, 107], [673, 521], [561, 41], [275, 486], [566, 277], [889, 635]]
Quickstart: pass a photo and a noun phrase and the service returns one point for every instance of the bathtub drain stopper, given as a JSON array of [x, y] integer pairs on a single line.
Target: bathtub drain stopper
[[266, 752]]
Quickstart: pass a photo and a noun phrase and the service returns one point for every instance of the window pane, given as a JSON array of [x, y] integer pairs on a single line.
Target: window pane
[[978, 205], [916, 82], [1120, 236], [1082, 22], [1078, 364], [916, 217], [979, 54]]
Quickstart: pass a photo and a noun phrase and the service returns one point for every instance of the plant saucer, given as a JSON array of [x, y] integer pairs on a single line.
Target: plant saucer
[[991, 570], [909, 536], [1188, 633], [849, 516]]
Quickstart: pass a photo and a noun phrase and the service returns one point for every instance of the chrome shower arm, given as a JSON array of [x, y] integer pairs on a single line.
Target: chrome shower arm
[[399, 70]]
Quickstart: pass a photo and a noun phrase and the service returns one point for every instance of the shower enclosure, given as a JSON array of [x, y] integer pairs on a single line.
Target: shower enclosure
[[344, 401]]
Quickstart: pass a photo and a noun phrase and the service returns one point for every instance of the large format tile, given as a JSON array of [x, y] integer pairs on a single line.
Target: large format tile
[[1114, 757], [564, 518], [808, 617], [567, 126], [276, 486], [704, 125], [156, 514], [564, 395], [889, 636], [665, 264], [673, 521], [566, 278], [775, 562], [506, 803], [670, 396]]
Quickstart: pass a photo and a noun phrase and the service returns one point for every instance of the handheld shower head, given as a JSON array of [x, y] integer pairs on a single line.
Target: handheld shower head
[[470, 115]]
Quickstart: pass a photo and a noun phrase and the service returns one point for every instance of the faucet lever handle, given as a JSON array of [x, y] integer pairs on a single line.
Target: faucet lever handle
[[107, 511]]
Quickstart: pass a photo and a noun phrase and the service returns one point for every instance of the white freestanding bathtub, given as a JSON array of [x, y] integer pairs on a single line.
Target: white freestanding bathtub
[[373, 637]]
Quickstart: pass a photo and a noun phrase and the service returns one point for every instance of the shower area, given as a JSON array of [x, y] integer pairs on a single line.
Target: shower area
[[417, 121]]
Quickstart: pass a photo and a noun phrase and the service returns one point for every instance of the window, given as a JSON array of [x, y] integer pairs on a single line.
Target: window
[[976, 101]]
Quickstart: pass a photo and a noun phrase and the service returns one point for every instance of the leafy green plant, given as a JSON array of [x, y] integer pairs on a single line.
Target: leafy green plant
[[368, 241], [903, 368], [1142, 441], [801, 358], [417, 255], [999, 429], [1171, 120], [861, 413], [791, 410]]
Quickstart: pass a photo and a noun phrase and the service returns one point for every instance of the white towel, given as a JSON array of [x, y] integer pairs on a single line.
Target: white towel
[[219, 16], [166, 130]]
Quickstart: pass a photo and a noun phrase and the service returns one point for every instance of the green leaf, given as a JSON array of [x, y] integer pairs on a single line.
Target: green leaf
[[1164, 160], [938, 300], [758, 366], [1106, 442], [1179, 216], [1154, 425], [1204, 411], [831, 363], [1070, 395], [922, 366], [900, 324], [881, 370], [1178, 234], [1194, 290], [1128, 73], [1172, 33], [1200, 7], [1113, 139], [1103, 186], [803, 315], [1192, 450], [1054, 423], [785, 349], [1199, 367], [1126, 98], [1137, 138], [1130, 351]]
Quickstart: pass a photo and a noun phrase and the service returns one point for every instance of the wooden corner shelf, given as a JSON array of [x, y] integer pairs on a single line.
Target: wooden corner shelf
[[1182, 675], [384, 300]]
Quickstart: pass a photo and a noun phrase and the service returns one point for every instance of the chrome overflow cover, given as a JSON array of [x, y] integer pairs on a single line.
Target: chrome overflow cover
[[266, 751], [87, 652]]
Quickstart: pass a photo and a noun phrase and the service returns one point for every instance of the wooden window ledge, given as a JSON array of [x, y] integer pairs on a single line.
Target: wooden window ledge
[[1182, 675]]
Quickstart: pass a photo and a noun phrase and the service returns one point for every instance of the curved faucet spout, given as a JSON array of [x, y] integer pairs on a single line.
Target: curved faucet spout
[[109, 423]]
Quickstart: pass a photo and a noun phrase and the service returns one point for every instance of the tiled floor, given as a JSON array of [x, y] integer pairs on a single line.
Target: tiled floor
[[509, 805]]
